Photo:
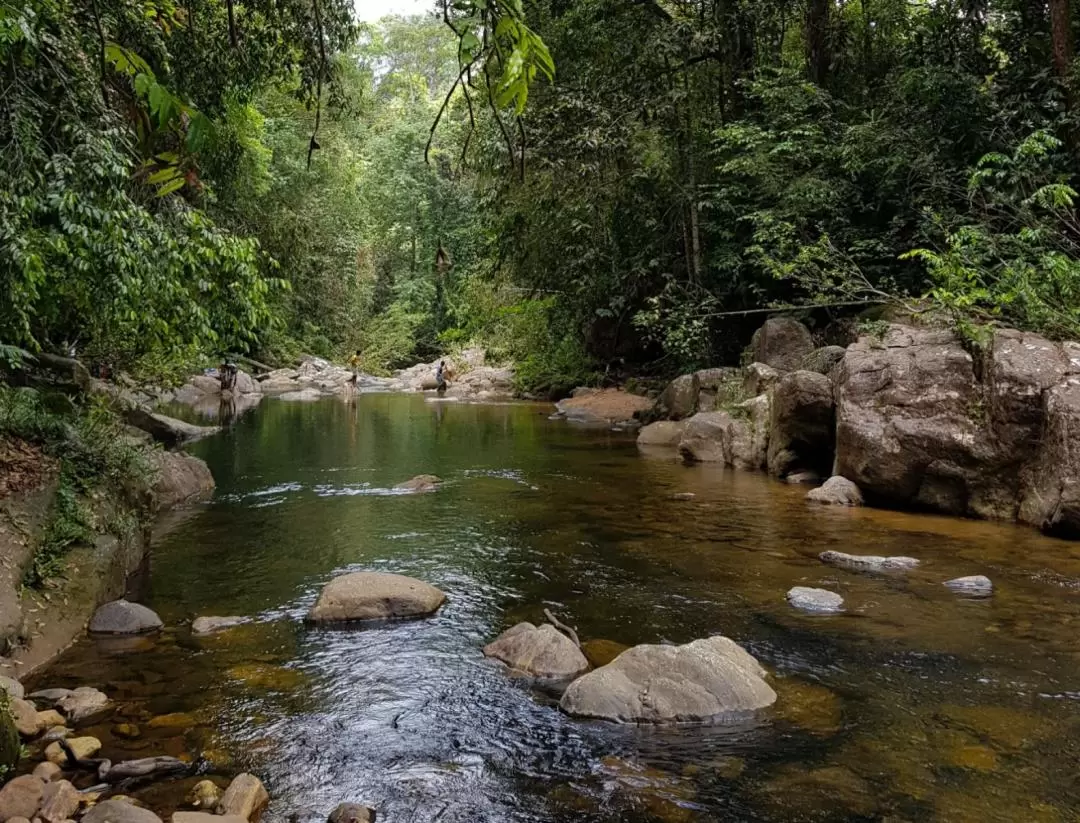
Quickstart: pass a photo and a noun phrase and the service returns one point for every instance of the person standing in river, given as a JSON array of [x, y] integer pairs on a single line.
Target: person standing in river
[[354, 364], [440, 377]]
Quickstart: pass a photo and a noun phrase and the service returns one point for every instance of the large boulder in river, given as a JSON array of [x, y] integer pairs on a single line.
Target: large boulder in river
[[802, 423], [538, 651], [375, 596], [679, 399], [836, 491], [782, 342], [703, 437], [167, 430], [701, 681], [181, 478], [665, 433], [124, 617]]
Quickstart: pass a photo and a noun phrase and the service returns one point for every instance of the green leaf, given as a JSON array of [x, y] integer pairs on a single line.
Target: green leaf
[[170, 187]]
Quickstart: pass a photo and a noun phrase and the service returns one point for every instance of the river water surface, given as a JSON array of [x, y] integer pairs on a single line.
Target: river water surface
[[914, 705]]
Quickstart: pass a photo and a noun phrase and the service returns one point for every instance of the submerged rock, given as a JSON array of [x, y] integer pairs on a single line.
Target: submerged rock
[[975, 585], [119, 811], [302, 396], [420, 483], [83, 747], [600, 652], [542, 652], [124, 617], [781, 342], [836, 491], [375, 596], [167, 430], [209, 625], [700, 681], [666, 433], [818, 794], [868, 562], [352, 813], [821, 601]]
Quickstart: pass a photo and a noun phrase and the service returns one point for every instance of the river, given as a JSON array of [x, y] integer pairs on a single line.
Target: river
[[914, 705]]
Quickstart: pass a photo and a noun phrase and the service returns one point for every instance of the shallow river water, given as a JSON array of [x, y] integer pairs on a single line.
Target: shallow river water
[[913, 705]]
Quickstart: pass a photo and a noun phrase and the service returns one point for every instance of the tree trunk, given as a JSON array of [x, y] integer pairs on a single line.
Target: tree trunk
[[1061, 37], [817, 40]]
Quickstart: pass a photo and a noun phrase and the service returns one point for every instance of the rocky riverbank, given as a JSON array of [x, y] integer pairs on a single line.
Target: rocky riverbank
[[903, 416]]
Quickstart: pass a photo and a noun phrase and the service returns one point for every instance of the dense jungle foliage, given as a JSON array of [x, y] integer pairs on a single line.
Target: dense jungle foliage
[[583, 186]]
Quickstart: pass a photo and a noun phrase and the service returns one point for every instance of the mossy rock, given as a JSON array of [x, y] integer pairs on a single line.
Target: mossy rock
[[9, 740]]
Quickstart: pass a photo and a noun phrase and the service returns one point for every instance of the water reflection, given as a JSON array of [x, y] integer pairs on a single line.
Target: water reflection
[[915, 704]]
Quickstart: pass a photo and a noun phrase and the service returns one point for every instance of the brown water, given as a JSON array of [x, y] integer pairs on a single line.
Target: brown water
[[914, 705]]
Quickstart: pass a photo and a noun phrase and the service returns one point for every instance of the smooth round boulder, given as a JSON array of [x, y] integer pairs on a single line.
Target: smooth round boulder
[[975, 585], [27, 722], [702, 681], [836, 491], [375, 596], [119, 811], [21, 797], [819, 601], [868, 562], [246, 797], [661, 434], [538, 651], [124, 617]]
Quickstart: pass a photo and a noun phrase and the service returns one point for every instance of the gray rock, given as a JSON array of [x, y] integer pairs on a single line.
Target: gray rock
[[678, 400], [868, 562], [703, 437], [209, 625], [976, 585], [662, 433], [50, 696], [245, 797], [820, 601], [21, 797], [124, 617], [302, 396], [375, 596], [12, 686], [822, 360], [782, 342], [542, 652], [802, 424], [705, 680], [803, 477], [837, 491], [352, 813], [117, 811], [167, 430], [84, 704], [758, 378], [27, 722]]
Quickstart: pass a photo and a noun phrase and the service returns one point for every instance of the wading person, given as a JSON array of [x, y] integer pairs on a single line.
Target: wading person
[[440, 377], [354, 364]]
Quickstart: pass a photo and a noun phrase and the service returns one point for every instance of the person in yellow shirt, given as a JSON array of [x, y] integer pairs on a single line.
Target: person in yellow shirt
[[354, 364]]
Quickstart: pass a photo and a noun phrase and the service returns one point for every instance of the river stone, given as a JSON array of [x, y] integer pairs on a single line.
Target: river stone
[[21, 797], [51, 718], [26, 717], [665, 433], [84, 704], [758, 378], [703, 437], [180, 478], [699, 681], [119, 811], [420, 483], [836, 491], [47, 771], [868, 562], [246, 797], [542, 652], [302, 396], [782, 342], [375, 596], [83, 747], [123, 617], [352, 813], [205, 795], [59, 802], [678, 399], [13, 687], [815, 600], [976, 585], [209, 625], [50, 696]]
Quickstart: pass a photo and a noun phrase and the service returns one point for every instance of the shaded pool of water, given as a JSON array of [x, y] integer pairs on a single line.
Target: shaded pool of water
[[914, 705]]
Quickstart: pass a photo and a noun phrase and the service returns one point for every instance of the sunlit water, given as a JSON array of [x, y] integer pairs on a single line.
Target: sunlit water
[[914, 705]]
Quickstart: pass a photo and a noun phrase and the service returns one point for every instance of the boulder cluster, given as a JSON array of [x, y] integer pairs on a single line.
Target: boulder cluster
[[903, 416]]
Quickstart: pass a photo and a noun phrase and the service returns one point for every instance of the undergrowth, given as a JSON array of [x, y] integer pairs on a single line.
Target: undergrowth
[[102, 471]]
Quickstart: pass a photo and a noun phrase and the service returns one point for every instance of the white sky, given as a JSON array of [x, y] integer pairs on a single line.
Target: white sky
[[371, 10]]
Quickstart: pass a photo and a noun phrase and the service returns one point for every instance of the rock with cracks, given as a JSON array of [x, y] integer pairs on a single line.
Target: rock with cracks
[[868, 562], [836, 491], [375, 596], [702, 681], [124, 617], [543, 652], [819, 601], [782, 342], [801, 427]]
